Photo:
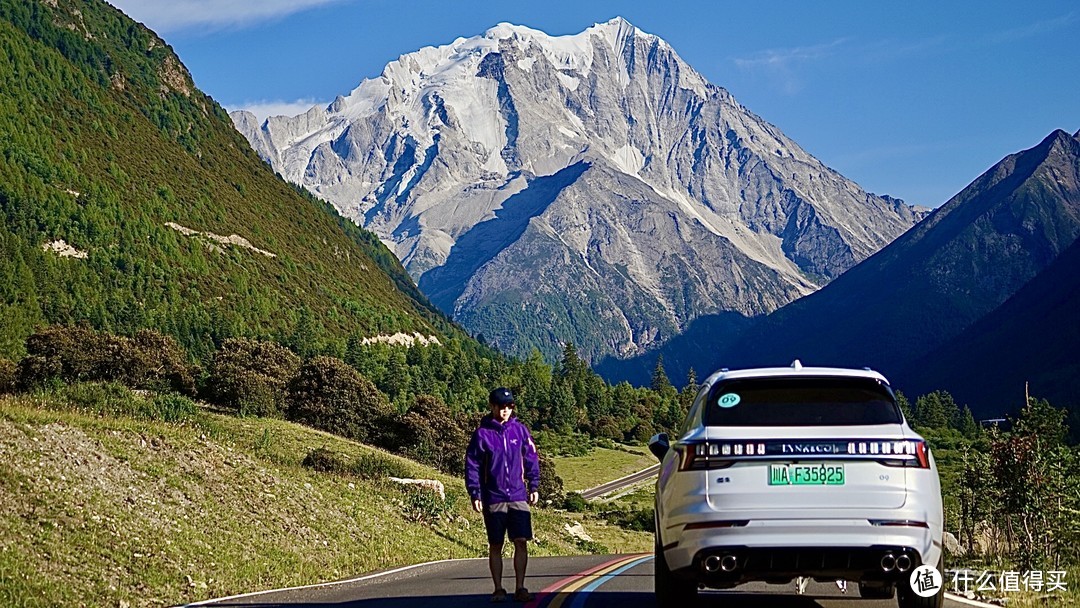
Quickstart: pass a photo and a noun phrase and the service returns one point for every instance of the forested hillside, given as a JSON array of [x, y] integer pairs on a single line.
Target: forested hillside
[[129, 203], [122, 185]]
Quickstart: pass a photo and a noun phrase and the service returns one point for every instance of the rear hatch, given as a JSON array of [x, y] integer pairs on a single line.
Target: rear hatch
[[804, 444]]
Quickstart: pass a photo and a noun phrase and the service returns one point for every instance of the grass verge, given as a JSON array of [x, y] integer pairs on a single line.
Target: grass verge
[[601, 465], [117, 506]]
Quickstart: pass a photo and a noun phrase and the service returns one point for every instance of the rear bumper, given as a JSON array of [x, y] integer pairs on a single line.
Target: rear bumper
[[779, 550]]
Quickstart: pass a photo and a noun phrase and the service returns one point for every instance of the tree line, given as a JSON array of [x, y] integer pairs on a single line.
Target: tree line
[[420, 401], [1011, 486]]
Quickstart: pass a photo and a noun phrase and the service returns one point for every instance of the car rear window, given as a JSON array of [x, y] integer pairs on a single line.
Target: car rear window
[[807, 401]]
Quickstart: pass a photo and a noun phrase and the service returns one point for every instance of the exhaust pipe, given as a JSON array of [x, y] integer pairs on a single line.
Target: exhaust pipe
[[903, 562], [728, 563], [888, 562], [712, 563]]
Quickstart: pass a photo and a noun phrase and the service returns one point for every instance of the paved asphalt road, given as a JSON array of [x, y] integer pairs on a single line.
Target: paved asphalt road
[[592, 581], [618, 484]]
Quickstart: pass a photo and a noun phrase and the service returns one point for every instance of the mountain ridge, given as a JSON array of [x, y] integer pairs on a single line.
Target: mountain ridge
[[446, 136], [952, 270]]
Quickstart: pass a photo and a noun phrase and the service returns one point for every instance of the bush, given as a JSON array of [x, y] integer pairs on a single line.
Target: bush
[[170, 407], [641, 520], [250, 376], [8, 371], [563, 444], [79, 354], [424, 506], [575, 502], [367, 466], [377, 466], [150, 360], [330, 395], [115, 399], [607, 427], [325, 461], [430, 433], [551, 485], [168, 368], [102, 398], [591, 546], [642, 432]]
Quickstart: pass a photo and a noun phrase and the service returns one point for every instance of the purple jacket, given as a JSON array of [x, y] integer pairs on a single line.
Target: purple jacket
[[499, 460]]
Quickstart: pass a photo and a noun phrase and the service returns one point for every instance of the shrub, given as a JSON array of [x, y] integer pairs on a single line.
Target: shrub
[[251, 376], [430, 433], [325, 461], [575, 502], [377, 466], [551, 485], [607, 427], [591, 546], [168, 368], [115, 399], [8, 371], [642, 432], [424, 506], [78, 354], [562, 444], [102, 398], [328, 394], [150, 360], [170, 407], [641, 520]]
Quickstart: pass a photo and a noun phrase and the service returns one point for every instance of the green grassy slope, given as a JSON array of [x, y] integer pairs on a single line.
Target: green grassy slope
[[107, 509], [103, 140]]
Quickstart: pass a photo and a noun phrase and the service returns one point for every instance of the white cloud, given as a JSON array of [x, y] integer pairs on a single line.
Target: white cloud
[[1038, 28], [173, 15], [784, 58], [781, 64], [265, 109]]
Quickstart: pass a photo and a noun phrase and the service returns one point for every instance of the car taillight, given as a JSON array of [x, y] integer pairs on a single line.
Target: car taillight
[[705, 455], [905, 448], [717, 455]]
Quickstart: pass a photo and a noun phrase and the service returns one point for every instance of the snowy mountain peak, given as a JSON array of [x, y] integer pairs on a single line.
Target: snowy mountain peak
[[598, 161]]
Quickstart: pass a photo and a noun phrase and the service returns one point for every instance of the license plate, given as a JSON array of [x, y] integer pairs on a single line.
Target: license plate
[[806, 474]]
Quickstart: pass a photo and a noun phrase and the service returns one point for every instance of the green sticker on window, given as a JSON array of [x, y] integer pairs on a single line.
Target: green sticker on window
[[730, 400]]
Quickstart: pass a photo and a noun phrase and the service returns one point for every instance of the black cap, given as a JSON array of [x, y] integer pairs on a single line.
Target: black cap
[[501, 396]]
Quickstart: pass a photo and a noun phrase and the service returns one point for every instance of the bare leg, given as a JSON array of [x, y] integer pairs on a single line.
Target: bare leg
[[521, 561], [495, 563]]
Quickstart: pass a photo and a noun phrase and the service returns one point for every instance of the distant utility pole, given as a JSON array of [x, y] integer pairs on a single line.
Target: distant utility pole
[[1027, 397]]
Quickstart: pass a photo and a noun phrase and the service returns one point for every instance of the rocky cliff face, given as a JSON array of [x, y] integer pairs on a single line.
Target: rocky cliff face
[[591, 188]]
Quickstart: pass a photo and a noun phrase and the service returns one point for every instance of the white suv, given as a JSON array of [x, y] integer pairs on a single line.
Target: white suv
[[779, 473]]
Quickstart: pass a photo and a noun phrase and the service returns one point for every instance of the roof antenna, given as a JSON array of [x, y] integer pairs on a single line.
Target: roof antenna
[[796, 365]]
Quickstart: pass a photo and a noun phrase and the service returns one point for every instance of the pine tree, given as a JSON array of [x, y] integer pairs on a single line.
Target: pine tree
[[936, 410], [660, 382]]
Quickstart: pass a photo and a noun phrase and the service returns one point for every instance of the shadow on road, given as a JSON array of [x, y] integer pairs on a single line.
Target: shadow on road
[[596, 599]]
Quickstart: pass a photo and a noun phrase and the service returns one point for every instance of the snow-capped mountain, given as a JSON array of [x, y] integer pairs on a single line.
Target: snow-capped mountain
[[591, 188]]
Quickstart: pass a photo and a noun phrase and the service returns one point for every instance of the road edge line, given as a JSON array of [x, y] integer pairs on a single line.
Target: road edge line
[[343, 582]]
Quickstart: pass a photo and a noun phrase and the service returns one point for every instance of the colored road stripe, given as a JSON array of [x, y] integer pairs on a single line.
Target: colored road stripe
[[564, 583], [564, 588], [583, 594], [559, 585]]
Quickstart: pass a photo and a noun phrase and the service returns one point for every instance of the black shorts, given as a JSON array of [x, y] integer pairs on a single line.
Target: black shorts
[[515, 523]]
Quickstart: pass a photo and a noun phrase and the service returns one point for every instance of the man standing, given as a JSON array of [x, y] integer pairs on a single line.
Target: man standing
[[502, 475]]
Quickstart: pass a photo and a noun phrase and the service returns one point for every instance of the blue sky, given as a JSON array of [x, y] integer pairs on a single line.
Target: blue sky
[[912, 99]]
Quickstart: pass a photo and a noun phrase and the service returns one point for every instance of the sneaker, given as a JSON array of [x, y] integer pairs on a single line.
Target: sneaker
[[499, 595], [523, 595]]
